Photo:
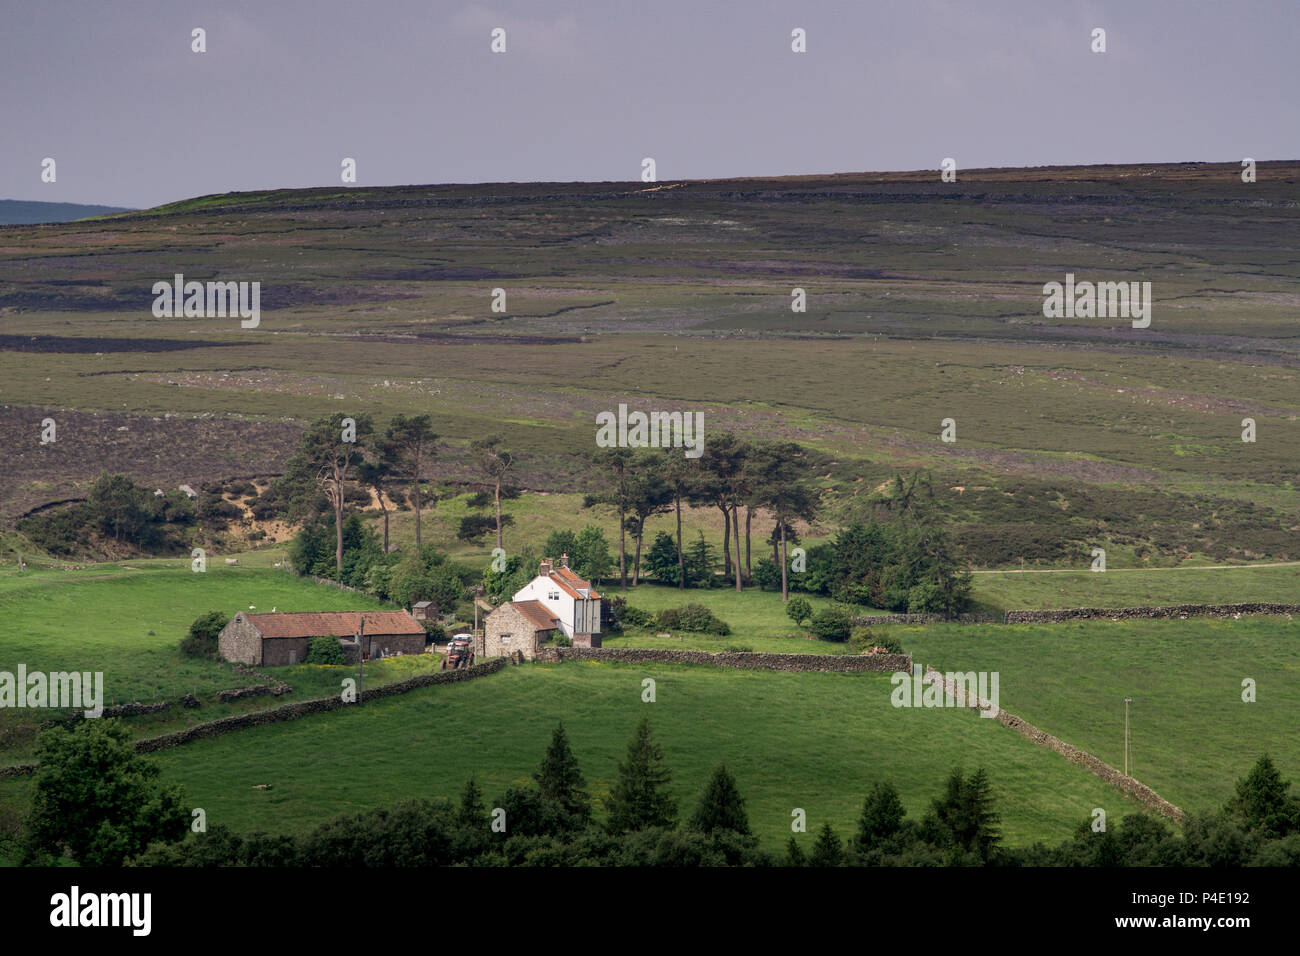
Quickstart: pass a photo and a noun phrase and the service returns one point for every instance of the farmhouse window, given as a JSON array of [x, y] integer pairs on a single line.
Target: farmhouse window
[[553, 596]]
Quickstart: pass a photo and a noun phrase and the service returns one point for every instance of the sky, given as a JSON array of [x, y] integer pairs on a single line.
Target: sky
[[586, 89]]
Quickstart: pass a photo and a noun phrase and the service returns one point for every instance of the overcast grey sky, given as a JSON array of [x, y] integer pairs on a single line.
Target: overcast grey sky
[[587, 88]]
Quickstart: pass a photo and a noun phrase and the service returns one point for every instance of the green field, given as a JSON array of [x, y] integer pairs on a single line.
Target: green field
[[1192, 736], [1010, 590], [127, 621], [810, 740], [815, 741]]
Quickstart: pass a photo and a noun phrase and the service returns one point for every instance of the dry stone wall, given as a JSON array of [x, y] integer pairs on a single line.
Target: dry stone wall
[[1134, 788], [1127, 613], [1055, 616], [883, 620], [226, 725], [837, 663]]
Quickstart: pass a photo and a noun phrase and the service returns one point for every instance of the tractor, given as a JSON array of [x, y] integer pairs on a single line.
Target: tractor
[[460, 653]]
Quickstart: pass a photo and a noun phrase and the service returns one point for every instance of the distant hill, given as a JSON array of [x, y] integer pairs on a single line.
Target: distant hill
[[15, 212]]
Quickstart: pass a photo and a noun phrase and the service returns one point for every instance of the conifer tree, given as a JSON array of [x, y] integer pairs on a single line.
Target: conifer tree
[[560, 780], [828, 850], [882, 817], [722, 807], [639, 799], [472, 814], [981, 819], [793, 855], [1262, 801]]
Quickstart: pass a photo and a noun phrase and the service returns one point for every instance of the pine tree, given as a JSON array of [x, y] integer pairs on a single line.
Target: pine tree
[[700, 561], [944, 822], [1262, 800], [882, 817], [722, 807], [827, 851], [560, 781], [793, 855], [472, 815], [982, 833], [639, 799]]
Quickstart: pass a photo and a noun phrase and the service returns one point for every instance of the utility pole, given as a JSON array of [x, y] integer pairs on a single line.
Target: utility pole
[[361, 657], [1127, 700]]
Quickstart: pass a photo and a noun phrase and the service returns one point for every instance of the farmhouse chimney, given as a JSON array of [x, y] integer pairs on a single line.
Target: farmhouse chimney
[[564, 560], [546, 568]]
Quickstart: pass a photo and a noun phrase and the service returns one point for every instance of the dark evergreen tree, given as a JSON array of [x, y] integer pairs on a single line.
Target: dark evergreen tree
[[472, 814], [982, 820], [882, 818], [963, 819], [560, 781], [793, 855], [828, 850], [1262, 802], [639, 799], [722, 807]]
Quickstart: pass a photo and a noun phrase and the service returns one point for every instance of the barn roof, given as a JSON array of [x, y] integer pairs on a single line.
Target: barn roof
[[536, 612], [336, 623]]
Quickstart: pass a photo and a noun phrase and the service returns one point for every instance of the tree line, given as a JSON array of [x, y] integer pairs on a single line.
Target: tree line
[[896, 554], [98, 803]]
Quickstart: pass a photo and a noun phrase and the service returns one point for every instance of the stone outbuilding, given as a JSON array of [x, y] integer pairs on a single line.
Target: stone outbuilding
[[518, 626], [271, 640]]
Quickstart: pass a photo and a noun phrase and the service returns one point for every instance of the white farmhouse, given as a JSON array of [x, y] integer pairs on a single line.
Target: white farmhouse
[[567, 597]]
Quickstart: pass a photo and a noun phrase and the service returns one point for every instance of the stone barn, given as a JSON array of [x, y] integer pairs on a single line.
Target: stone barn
[[425, 611], [273, 640], [518, 626]]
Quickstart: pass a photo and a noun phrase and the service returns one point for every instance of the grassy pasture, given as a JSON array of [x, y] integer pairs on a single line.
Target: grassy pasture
[[1192, 736], [1123, 587], [815, 741], [126, 620]]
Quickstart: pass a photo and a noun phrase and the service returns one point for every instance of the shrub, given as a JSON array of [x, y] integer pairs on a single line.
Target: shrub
[[635, 617], [98, 800], [325, 650], [798, 610], [563, 640], [201, 641], [695, 618], [890, 644], [767, 575], [830, 624], [217, 511], [264, 510], [473, 527], [433, 632]]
